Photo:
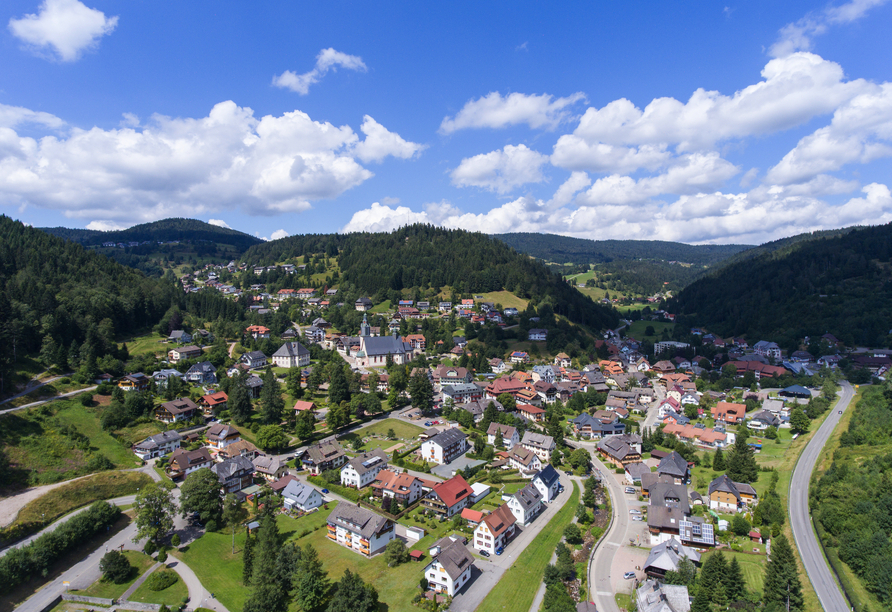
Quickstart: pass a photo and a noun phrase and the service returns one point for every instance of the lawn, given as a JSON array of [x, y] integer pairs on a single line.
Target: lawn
[[69, 497], [172, 595], [637, 329], [402, 429], [506, 299], [517, 588], [151, 344], [382, 307], [86, 420], [221, 572], [752, 566], [140, 431], [109, 590], [53, 389]]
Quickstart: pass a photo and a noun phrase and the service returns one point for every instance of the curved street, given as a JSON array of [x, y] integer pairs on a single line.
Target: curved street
[[817, 568]]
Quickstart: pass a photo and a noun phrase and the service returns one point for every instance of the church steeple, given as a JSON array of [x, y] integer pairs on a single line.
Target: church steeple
[[364, 329]]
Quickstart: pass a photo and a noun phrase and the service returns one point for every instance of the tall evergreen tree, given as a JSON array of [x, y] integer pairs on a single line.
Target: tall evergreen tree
[[310, 581], [248, 560], [742, 466], [783, 589], [735, 587], [266, 553], [711, 575], [718, 461], [422, 392], [239, 403], [338, 388], [272, 404], [353, 595]]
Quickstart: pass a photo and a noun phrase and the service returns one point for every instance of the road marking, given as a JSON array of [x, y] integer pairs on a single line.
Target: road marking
[[604, 593], [612, 544]]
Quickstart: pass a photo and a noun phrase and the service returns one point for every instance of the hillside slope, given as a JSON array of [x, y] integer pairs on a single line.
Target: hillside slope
[[51, 288], [165, 230], [561, 249], [839, 284], [423, 256]]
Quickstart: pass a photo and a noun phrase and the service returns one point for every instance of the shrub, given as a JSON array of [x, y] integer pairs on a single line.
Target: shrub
[[211, 525], [175, 540], [161, 579], [115, 567], [86, 400], [65, 380], [162, 557], [150, 547]]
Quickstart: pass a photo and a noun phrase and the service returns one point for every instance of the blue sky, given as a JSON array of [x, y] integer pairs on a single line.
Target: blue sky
[[692, 122]]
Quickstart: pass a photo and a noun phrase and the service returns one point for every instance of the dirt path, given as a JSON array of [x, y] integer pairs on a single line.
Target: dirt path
[[231, 349], [35, 384]]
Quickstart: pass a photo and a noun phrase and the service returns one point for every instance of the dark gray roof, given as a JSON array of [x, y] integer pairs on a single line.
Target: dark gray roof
[[158, 440], [204, 367], [454, 557], [291, 349], [448, 437], [385, 345], [528, 497], [726, 485], [674, 465], [548, 475], [231, 467], [254, 381], [368, 461], [538, 440], [358, 520], [326, 450], [267, 464], [667, 555], [665, 494], [637, 469], [298, 491], [255, 355]]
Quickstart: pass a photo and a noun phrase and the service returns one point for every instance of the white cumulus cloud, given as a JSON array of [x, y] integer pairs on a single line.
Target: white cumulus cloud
[[797, 36], [502, 170], [328, 59], [228, 159], [68, 27], [219, 223], [496, 111], [104, 225], [12, 116], [280, 233], [380, 143]]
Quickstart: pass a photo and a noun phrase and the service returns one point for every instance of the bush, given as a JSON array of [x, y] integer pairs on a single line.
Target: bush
[[100, 463], [115, 567], [162, 557], [86, 400], [65, 380], [175, 540], [620, 470], [161, 579], [211, 525], [150, 547]]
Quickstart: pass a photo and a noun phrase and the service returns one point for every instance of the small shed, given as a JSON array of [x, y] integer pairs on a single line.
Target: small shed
[[416, 555]]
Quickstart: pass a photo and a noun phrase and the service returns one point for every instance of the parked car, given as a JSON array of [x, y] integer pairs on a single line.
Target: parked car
[[499, 550], [629, 575], [634, 511], [630, 490], [484, 553], [428, 423], [325, 490]]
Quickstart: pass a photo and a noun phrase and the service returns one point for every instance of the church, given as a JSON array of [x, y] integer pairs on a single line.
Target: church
[[374, 350]]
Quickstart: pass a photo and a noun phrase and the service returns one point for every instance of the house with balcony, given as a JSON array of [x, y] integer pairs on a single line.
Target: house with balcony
[[234, 474], [134, 382], [219, 436], [450, 567], [181, 409], [359, 529], [540, 444], [253, 359], [405, 488], [183, 462], [445, 447], [361, 471], [213, 402], [495, 530], [508, 433], [325, 455], [726, 495], [158, 445], [183, 352], [526, 504], [301, 496], [449, 497]]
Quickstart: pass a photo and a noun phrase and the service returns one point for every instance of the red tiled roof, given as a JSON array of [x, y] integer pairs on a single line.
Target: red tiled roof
[[472, 515], [453, 490]]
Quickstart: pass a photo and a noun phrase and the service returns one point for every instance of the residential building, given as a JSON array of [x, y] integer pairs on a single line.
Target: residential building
[[726, 495], [324, 455], [257, 331], [621, 449], [242, 448], [762, 420], [219, 436], [450, 567], [540, 444], [404, 487], [445, 447], [654, 596], [180, 337], [301, 496], [537, 335], [254, 384], [361, 471], [253, 359], [359, 529], [462, 393], [531, 413], [588, 427], [445, 375], [268, 467], [213, 402], [449, 497], [134, 382], [547, 482], [769, 350], [158, 445], [183, 462], [674, 466], [363, 304], [495, 530], [666, 557], [518, 357], [509, 434], [526, 504], [728, 412], [291, 355], [181, 409], [635, 471], [524, 460], [234, 474], [203, 373], [184, 352]]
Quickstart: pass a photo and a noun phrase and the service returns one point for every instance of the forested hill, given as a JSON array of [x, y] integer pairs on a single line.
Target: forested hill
[[424, 256], [561, 249], [781, 247], [54, 290], [166, 230], [840, 284]]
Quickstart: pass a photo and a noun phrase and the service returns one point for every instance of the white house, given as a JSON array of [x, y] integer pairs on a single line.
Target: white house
[[538, 335], [540, 444], [291, 355], [158, 445], [547, 482], [361, 471], [495, 530], [254, 359], [526, 504], [445, 447], [767, 349], [301, 496], [450, 569], [509, 435], [359, 529], [525, 461]]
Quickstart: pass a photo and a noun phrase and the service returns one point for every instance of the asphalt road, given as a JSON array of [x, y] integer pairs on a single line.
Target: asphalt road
[[49, 399], [822, 578], [602, 592]]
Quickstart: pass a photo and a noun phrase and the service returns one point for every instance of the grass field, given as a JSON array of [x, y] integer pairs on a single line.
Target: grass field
[[517, 588], [402, 429], [40, 452], [221, 572], [109, 590], [752, 566], [382, 307], [637, 329], [148, 344], [71, 496], [172, 595], [506, 299]]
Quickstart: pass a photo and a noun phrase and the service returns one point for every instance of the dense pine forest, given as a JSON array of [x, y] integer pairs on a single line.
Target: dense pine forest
[[423, 256], [166, 230], [561, 249], [841, 285]]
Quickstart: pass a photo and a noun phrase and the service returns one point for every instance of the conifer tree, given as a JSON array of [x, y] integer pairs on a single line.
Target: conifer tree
[[718, 461], [239, 403], [735, 588], [272, 404], [783, 589], [742, 465]]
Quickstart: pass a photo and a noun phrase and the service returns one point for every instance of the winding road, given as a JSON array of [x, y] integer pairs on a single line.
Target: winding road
[[819, 573]]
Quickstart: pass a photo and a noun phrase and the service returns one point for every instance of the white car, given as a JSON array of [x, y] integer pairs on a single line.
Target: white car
[[633, 511]]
